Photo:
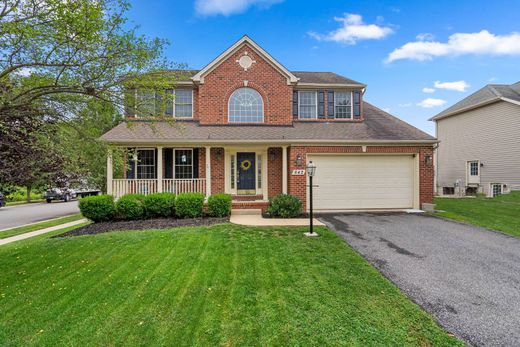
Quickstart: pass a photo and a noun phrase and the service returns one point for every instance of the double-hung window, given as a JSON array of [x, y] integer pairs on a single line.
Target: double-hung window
[[307, 105], [473, 168], [177, 103], [183, 163], [145, 164], [145, 103], [183, 103], [343, 105]]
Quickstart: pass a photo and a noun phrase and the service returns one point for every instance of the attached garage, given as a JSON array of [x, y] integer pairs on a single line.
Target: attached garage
[[346, 182]]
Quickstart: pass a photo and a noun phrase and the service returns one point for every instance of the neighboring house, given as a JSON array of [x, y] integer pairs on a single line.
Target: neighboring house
[[479, 143], [247, 126]]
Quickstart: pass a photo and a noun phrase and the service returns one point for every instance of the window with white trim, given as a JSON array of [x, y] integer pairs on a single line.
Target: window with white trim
[[307, 105], [343, 105], [183, 163], [473, 168], [245, 106], [145, 103], [145, 164], [496, 189], [183, 103]]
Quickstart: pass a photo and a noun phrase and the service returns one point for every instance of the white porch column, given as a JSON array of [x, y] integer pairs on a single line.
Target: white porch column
[[159, 169], [110, 173], [208, 171], [284, 169]]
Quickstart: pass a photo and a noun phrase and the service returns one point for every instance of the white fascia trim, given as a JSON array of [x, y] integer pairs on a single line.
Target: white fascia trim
[[469, 108], [511, 101], [203, 143], [199, 77], [330, 85]]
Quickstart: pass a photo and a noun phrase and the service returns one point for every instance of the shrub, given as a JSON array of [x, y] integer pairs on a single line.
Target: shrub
[[219, 205], [189, 205], [98, 208], [130, 206], [285, 206], [159, 205]]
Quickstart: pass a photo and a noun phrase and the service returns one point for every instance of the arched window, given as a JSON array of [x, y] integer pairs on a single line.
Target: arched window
[[246, 106]]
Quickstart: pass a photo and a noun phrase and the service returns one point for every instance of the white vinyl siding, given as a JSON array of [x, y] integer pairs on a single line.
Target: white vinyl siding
[[491, 135], [307, 105]]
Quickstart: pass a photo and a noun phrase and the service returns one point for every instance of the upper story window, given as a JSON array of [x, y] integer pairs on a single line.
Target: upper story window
[[343, 105], [307, 105], [151, 103], [246, 106]]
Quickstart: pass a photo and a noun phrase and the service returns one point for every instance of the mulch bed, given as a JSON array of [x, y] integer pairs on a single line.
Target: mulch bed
[[159, 223]]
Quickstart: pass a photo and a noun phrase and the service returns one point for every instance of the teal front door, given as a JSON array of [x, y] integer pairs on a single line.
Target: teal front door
[[246, 183]]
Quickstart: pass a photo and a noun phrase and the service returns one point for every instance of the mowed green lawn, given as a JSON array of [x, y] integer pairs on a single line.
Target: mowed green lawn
[[501, 213], [220, 285]]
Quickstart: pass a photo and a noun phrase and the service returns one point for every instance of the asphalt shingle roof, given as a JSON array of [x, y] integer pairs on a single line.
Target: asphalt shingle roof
[[486, 94], [377, 126]]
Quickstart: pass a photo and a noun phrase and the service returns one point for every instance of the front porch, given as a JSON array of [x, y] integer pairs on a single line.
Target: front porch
[[251, 174]]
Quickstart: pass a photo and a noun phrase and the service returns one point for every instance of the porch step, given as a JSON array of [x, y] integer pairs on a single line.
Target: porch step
[[246, 212]]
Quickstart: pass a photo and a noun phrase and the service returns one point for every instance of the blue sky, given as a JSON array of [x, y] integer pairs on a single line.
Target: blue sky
[[417, 58]]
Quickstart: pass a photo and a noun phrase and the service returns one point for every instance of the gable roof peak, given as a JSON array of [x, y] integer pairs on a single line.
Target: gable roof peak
[[199, 77]]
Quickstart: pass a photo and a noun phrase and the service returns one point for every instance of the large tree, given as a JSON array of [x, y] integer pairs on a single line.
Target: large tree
[[59, 60]]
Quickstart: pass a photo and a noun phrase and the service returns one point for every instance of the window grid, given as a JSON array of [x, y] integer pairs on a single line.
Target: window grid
[[183, 103], [259, 165], [145, 164], [246, 106], [308, 103], [232, 172], [183, 163], [473, 168], [343, 105]]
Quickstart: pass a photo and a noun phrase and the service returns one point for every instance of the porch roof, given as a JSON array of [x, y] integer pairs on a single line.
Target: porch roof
[[378, 126]]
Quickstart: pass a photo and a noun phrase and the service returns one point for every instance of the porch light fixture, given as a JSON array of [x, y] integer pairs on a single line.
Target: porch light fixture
[[298, 160], [428, 160], [272, 154], [219, 153], [311, 171]]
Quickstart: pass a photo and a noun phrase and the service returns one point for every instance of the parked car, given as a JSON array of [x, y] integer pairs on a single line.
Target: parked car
[[67, 194], [63, 194], [2, 200]]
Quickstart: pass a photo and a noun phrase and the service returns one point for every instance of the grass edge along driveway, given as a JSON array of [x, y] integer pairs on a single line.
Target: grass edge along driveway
[[218, 285], [38, 226], [501, 213]]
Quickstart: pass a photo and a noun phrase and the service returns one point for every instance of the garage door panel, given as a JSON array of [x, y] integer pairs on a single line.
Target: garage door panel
[[363, 182]]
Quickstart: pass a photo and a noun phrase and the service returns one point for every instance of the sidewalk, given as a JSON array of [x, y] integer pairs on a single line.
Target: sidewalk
[[40, 232], [256, 219]]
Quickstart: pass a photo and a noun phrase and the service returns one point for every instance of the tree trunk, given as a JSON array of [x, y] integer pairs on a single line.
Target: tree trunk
[[28, 193]]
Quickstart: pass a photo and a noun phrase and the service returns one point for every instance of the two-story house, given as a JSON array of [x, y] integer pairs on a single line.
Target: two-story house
[[479, 148], [247, 126]]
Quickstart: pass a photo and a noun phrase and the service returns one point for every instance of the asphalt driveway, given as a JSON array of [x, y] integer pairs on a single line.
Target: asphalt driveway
[[467, 277], [13, 216]]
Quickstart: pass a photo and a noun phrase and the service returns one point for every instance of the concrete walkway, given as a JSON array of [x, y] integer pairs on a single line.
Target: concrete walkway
[[254, 218], [40, 232]]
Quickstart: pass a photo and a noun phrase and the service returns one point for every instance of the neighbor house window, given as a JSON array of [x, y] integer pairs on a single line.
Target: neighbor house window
[[183, 163], [496, 189], [145, 164], [246, 106], [308, 105], [473, 168], [343, 105]]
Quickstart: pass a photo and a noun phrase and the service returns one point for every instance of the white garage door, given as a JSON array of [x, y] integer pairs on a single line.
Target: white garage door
[[363, 182]]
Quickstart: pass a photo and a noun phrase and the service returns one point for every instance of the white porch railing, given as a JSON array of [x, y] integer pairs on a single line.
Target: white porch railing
[[121, 187], [179, 186]]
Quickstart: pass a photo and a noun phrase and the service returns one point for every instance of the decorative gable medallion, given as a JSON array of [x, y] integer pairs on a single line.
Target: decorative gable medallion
[[245, 61]]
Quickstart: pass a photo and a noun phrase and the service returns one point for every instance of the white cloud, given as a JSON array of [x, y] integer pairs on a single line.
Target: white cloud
[[353, 29], [425, 37], [459, 86], [229, 7], [430, 102], [408, 104], [458, 44], [428, 90]]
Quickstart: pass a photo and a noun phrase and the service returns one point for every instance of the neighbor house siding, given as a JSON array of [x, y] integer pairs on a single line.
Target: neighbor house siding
[[490, 134]]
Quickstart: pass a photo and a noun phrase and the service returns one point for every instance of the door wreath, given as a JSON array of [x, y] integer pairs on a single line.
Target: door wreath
[[245, 165]]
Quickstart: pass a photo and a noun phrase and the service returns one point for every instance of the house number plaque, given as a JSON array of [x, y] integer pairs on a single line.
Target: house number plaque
[[298, 172]]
